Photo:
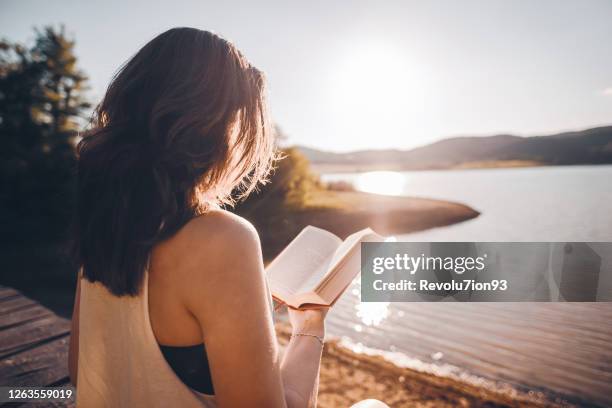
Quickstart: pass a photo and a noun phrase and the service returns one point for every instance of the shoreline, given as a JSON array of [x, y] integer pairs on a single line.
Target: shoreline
[[330, 168], [344, 212], [347, 377]]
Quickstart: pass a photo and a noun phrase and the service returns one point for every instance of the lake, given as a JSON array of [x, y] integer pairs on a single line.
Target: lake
[[561, 349]]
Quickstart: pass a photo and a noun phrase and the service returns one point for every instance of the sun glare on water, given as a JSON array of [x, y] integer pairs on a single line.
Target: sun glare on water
[[372, 314], [381, 182]]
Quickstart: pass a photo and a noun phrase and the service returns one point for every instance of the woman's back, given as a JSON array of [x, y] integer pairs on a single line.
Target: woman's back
[[120, 363], [120, 337]]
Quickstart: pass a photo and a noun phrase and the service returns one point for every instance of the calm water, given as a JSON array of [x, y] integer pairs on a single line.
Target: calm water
[[562, 349]]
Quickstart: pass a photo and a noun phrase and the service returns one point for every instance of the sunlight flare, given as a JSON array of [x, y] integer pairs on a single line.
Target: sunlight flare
[[381, 182], [377, 90]]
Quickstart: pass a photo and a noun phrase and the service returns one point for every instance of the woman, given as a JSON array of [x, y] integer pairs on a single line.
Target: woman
[[172, 306]]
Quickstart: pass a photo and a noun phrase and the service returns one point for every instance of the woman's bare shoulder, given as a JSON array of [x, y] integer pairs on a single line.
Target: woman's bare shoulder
[[220, 223], [212, 230], [210, 245]]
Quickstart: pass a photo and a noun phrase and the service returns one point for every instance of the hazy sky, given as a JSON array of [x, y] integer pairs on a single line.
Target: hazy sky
[[347, 75]]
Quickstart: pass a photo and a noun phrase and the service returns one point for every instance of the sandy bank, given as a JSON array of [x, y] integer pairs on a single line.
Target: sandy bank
[[348, 377]]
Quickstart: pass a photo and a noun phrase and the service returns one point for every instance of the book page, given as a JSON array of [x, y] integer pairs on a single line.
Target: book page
[[346, 269], [317, 276], [329, 264], [346, 272], [349, 243], [308, 254], [342, 252]]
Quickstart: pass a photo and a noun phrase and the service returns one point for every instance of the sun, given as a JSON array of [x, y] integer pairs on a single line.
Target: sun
[[377, 89]]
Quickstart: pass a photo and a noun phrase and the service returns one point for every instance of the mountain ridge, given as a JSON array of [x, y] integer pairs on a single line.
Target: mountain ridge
[[589, 146]]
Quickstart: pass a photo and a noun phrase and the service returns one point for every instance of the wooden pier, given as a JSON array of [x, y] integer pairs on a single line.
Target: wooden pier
[[33, 346]]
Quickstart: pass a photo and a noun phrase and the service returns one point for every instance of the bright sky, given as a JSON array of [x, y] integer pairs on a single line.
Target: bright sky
[[346, 75]]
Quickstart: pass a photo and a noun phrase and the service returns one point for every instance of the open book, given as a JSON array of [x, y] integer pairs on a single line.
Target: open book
[[317, 267]]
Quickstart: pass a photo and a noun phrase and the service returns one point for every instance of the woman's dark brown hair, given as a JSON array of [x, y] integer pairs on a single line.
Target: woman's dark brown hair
[[182, 126]]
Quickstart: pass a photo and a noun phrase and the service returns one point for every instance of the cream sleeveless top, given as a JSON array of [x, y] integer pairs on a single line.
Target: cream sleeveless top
[[120, 363]]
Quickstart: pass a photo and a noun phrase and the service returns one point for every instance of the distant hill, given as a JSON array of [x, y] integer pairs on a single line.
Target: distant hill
[[591, 146]]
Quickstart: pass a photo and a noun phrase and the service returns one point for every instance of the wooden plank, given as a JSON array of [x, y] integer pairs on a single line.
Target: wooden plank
[[23, 316], [7, 292], [46, 404], [44, 365], [29, 335], [33, 346], [15, 303], [56, 404], [51, 404]]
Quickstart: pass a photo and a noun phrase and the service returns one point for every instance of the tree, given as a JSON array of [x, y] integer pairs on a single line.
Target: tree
[[42, 100], [61, 83], [276, 209], [290, 187]]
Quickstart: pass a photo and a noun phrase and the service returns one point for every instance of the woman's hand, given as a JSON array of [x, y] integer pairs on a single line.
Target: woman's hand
[[310, 321]]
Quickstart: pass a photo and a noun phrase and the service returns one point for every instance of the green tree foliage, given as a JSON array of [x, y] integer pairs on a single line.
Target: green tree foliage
[[295, 179], [279, 208], [61, 83], [42, 102], [290, 188]]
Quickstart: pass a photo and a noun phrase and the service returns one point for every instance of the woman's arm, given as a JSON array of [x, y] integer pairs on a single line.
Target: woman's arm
[[225, 289], [73, 350], [302, 358]]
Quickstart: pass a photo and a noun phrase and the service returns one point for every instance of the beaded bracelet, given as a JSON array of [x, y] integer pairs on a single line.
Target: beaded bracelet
[[310, 335]]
